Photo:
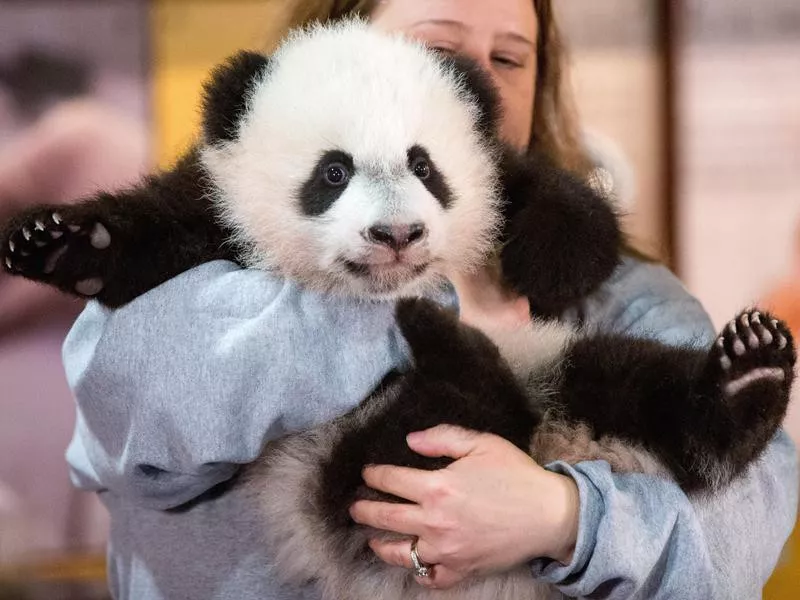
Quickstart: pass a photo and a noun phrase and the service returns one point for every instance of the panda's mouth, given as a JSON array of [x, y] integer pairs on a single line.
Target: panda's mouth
[[357, 269], [399, 271]]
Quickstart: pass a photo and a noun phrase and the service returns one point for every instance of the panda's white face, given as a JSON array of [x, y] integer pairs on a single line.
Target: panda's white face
[[358, 166]]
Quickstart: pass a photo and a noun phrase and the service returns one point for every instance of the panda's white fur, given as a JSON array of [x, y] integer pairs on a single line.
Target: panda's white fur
[[286, 128]]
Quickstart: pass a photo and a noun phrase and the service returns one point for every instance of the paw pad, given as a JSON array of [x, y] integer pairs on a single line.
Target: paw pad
[[753, 347], [56, 247], [89, 287]]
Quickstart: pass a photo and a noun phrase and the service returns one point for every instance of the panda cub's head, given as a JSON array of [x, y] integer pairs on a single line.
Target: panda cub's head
[[354, 161]]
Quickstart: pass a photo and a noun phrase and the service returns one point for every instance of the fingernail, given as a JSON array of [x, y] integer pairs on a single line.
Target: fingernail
[[414, 437]]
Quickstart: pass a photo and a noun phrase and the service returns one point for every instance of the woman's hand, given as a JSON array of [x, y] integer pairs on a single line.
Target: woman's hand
[[492, 509]]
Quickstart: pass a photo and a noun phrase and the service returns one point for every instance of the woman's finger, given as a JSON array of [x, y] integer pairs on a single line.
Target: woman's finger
[[403, 482], [398, 552], [444, 440], [400, 518], [395, 553]]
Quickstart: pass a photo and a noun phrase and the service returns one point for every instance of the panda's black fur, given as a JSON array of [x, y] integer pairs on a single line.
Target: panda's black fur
[[698, 415]]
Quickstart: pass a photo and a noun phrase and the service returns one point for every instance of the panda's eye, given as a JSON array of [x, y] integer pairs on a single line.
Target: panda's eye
[[421, 168], [336, 174]]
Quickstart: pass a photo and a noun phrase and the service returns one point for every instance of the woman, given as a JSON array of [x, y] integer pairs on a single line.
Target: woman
[[165, 462]]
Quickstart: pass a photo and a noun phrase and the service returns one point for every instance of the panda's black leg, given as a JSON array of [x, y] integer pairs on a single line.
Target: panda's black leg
[[706, 414], [117, 246], [561, 239], [633, 389], [459, 377]]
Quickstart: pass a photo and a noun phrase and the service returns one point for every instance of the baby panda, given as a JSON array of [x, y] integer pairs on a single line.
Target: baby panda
[[346, 193], [362, 164]]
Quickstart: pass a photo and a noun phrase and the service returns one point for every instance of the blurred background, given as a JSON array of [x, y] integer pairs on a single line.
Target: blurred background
[[692, 106]]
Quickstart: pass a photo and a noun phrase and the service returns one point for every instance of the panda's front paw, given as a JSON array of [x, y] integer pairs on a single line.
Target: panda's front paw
[[441, 345], [754, 348], [56, 245]]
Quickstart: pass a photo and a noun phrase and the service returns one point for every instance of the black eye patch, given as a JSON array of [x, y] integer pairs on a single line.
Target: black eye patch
[[328, 180], [423, 168]]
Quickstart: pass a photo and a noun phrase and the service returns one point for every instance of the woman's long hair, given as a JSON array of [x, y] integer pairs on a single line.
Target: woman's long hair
[[555, 127]]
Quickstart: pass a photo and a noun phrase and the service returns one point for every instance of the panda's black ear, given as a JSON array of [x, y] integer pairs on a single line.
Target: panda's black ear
[[562, 239], [226, 93], [480, 85]]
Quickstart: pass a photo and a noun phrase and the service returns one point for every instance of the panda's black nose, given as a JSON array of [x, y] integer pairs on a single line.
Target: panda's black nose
[[396, 237]]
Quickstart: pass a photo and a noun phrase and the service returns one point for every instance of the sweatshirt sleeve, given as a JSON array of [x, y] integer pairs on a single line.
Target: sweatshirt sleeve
[[178, 388], [640, 536]]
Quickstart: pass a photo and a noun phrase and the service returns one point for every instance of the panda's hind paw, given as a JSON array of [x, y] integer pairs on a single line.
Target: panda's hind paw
[[754, 347]]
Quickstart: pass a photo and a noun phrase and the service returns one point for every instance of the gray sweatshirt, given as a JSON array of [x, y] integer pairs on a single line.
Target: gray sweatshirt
[[179, 388]]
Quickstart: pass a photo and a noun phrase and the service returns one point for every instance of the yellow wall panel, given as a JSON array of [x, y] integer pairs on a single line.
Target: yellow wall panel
[[188, 38], [785, 581]]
